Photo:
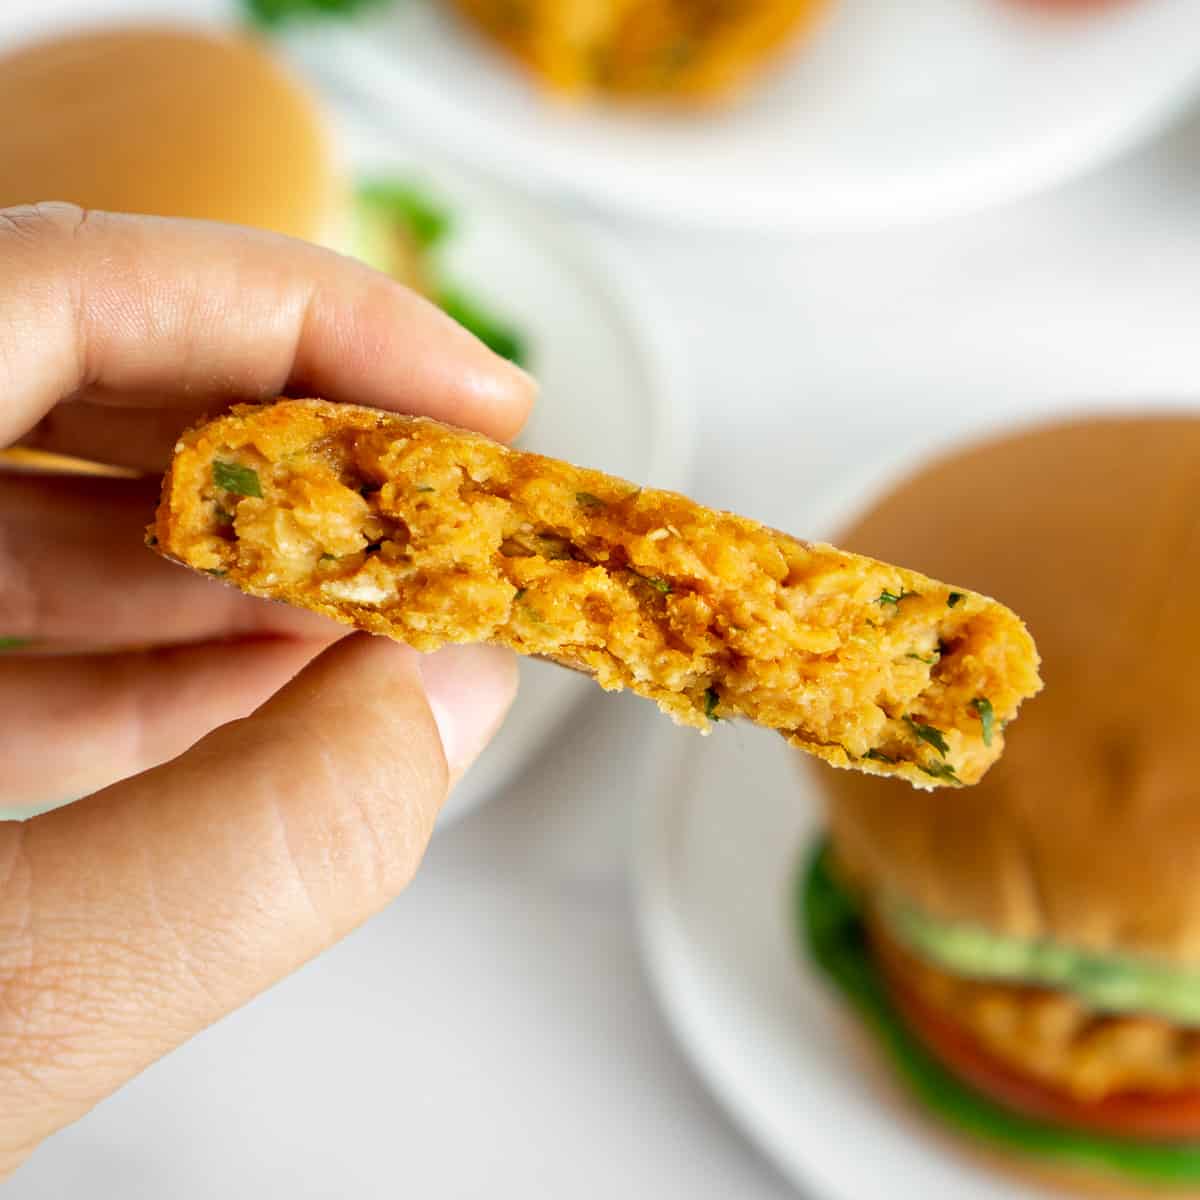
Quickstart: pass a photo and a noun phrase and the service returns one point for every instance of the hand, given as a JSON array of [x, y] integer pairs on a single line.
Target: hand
[[301, 772]]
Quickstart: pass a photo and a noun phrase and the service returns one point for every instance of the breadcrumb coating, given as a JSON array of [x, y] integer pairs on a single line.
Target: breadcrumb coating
[[432, 535]]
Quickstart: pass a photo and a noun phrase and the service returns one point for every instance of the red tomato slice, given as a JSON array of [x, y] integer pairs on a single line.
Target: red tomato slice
[[1173, 1117]]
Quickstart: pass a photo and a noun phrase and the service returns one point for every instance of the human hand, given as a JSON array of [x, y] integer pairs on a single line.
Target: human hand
[[301, 772]]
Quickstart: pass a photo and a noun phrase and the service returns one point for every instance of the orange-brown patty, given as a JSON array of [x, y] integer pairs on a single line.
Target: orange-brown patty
[[689, 49], [406, 527]]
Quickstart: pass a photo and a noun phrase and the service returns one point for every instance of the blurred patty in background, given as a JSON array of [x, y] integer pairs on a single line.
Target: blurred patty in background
[[692, 50]]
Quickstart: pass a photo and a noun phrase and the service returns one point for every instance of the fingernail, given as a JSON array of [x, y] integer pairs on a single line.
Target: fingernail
[[470, 689], [523, 379], [511, 393]]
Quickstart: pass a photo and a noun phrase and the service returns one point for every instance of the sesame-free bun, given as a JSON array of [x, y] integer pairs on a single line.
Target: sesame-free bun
[[173, 122], [1088, 829]]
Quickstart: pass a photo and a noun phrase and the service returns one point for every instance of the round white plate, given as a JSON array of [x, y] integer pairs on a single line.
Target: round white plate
[[890, 113], [719, 842]]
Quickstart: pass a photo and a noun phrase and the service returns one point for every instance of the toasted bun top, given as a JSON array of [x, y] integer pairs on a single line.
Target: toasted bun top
[[173, 122], [1088, 829]]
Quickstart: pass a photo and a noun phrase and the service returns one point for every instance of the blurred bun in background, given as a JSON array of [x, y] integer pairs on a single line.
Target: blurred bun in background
[[171, 122], [180, 122], [690, 50], [189, 123]]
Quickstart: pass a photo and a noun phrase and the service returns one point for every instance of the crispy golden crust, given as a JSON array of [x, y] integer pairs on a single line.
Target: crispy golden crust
[[1051, 1037], [428, 534], [691, 50]]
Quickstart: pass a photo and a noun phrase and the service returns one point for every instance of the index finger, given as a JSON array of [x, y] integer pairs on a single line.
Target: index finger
[[111, 307]]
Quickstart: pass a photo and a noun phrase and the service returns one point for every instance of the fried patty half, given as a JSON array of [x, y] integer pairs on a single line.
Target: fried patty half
[[431, 535]]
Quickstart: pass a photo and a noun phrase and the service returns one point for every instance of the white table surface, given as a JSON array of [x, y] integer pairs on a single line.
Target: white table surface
[[491, 1034]]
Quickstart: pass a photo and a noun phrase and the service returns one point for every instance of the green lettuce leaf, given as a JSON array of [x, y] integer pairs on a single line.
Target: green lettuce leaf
[[269, 13], [427, 220], [400, 201]]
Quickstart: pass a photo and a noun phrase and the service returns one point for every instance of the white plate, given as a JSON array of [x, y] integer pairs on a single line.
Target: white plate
[[891, 113], [719, 843]]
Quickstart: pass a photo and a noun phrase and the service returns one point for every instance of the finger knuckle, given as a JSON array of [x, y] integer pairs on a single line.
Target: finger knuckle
[[393, 822], [376, 805], [40, 990], [48, 221], [384, 816]]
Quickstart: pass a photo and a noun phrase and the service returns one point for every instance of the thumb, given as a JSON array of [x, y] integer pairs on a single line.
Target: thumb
[[134, 918]]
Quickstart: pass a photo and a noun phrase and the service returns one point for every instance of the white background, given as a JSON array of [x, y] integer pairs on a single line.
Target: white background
[[492, 1033]]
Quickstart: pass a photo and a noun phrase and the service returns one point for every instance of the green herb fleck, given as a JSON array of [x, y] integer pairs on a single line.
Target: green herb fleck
[[953, 599], [987, 717], [236, 479], [514, 15], [328, 557], [217, 571], [555, 549], [588, 502], [886, 597], [677, 56], [939, 771], [224, 517], [929, 662], [424, 487], [659, 585], [927, 733], [13, 643], [601, 64], [879, 756], [520, 595], [711, 700]]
